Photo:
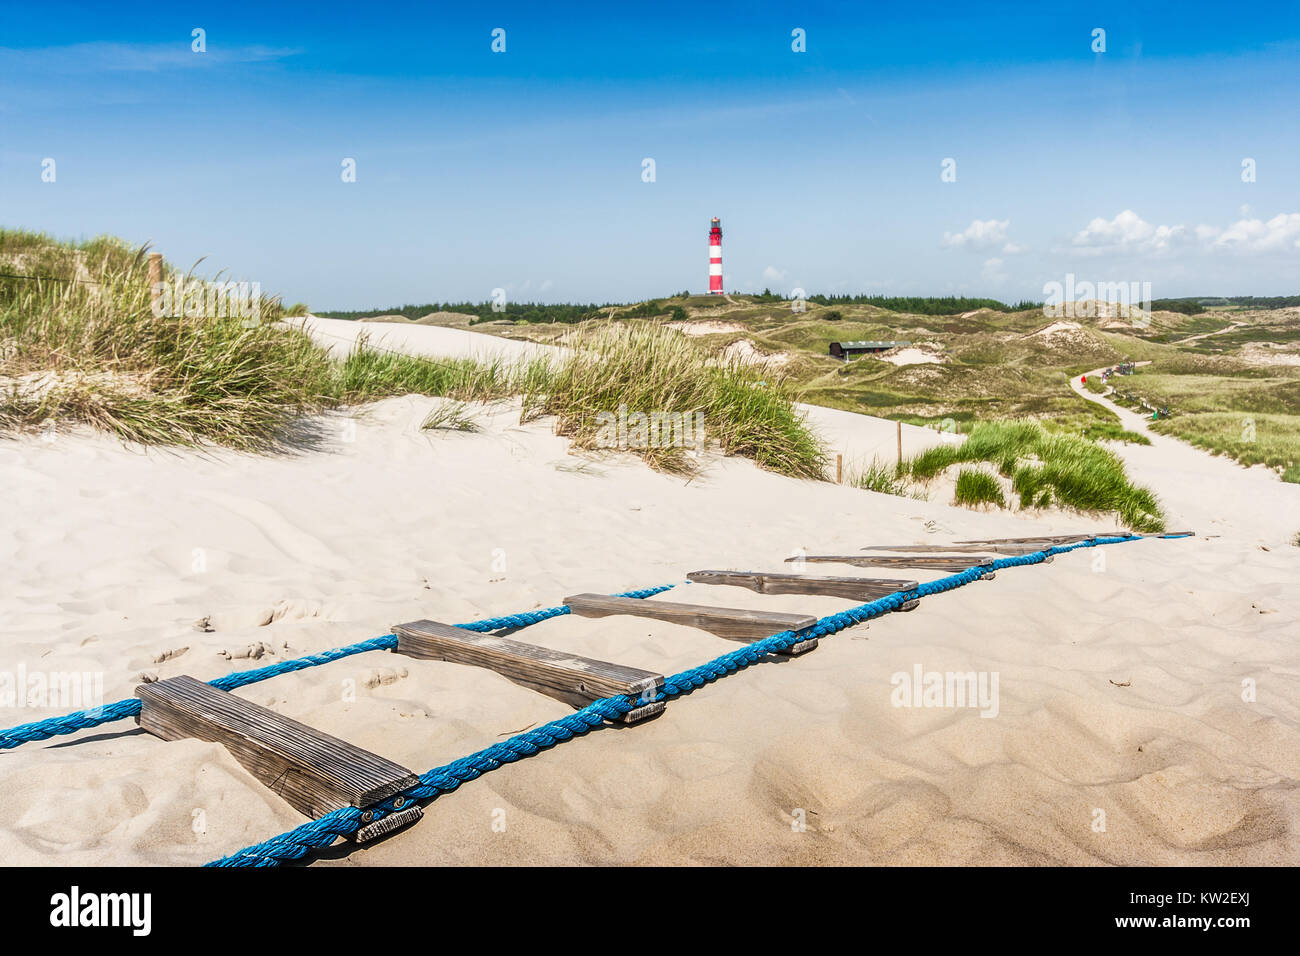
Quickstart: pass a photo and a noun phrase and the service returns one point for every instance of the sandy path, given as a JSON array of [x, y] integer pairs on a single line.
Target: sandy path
[[1204, 492], [1206, 335]]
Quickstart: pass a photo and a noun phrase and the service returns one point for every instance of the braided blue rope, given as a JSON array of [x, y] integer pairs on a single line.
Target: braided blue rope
[[321, 832], [130, 707]]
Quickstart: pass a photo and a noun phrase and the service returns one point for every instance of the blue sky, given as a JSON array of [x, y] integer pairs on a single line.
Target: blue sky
[[522, 170]]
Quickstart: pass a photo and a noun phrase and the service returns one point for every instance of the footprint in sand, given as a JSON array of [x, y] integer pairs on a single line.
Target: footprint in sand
[[253, 652], [291, 611], [288, 610], [384, 675]]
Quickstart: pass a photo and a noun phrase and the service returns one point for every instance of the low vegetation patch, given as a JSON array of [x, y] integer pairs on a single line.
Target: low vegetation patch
[[1105, 427], [452, 417], [976, 488], [886, 479], [1048, 468], [1250, 438]]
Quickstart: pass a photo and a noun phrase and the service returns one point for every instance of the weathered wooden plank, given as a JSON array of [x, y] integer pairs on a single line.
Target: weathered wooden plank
[[312, 771], [962, 548], [568, 677], [764, 582], [731, 623], [1042, 539], [927, 562]]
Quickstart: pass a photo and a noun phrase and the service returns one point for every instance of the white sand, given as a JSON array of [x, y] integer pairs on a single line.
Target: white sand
[[706, 328], [340, 336], [862, 439], [110, 555], [910, 355]]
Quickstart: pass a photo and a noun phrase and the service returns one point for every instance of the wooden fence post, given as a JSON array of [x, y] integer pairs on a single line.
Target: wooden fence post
[[155, 277], [900, 442]]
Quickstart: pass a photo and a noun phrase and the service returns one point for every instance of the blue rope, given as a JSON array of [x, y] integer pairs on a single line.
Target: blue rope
[[122, 709], [321, 832]]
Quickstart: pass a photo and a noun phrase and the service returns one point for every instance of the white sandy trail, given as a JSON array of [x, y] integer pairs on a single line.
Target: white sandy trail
[[1207, 493]]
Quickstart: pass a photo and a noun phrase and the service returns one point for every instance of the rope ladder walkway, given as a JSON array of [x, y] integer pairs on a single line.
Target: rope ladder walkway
[[323, 831], [122, 709]]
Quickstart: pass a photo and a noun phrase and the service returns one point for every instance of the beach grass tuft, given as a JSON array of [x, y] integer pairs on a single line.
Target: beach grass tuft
[[645, 368], [975, 487], [80, 342], [451, 417], [883, 478], [1048, 468]]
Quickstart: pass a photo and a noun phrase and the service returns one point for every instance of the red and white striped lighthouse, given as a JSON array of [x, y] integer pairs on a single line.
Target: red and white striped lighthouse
[[715, 258]]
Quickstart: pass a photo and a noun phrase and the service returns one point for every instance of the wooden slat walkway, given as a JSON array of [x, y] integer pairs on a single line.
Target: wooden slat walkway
[[766, 582], [731, 623], [313, 771], [571, 678], [1047, 539], [925, 562], [962, 548]]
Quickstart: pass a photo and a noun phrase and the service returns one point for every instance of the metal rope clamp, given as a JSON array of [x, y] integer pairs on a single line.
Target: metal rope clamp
[[404, 812]]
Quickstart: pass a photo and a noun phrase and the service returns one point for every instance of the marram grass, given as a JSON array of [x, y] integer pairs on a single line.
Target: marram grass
[[1049, 468], [83, 345], [646, 368], [975, 487]]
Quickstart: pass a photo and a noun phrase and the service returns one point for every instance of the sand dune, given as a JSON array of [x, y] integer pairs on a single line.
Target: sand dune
[[339, 336], [1120, 670]]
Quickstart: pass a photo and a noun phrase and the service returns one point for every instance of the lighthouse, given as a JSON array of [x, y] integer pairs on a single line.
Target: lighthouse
[[715, 258]]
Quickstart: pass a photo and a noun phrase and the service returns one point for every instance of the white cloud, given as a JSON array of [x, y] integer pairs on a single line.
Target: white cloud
[[984, 234], [772, 272], [992, 270], [1127, 232], [1279, 234]]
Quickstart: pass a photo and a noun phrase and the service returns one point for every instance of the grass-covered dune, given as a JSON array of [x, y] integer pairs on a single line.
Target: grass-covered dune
[[80, 342]]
